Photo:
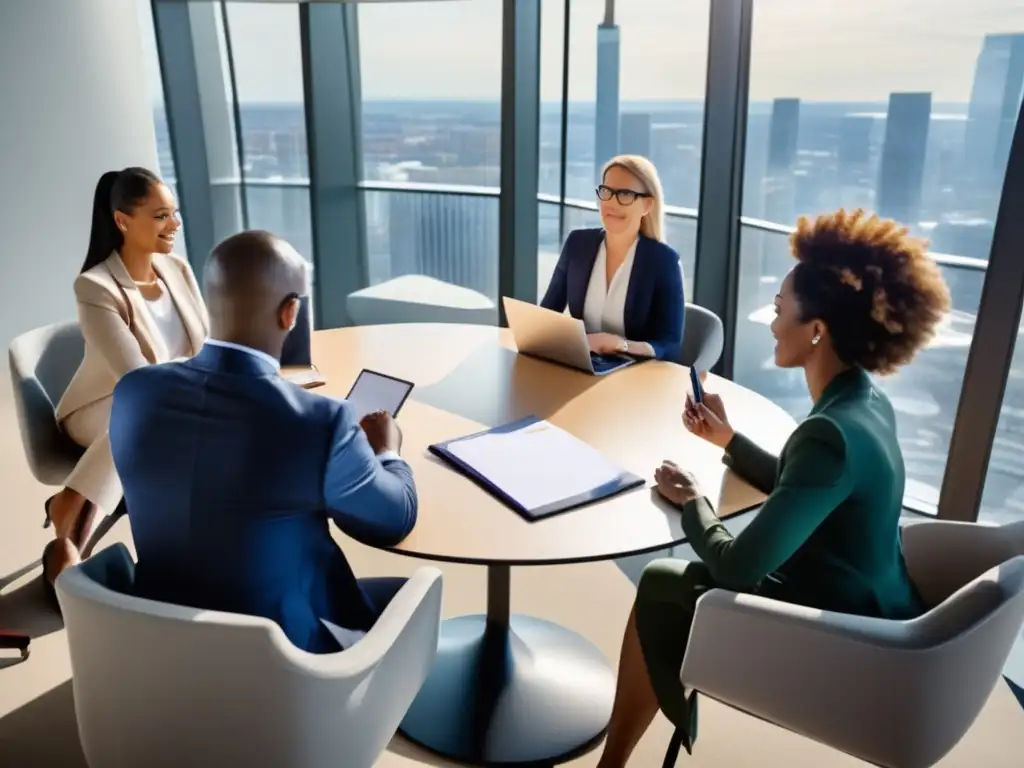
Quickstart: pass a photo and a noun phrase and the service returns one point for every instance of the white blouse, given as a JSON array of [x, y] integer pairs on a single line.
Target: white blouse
[[167, 319], [604, 307]]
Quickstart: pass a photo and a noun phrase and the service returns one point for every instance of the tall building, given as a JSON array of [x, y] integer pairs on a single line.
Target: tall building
[[903, 155], [991, 117], [635, 134], [782, 135], [779, 190], [606, 111], [449, 237]]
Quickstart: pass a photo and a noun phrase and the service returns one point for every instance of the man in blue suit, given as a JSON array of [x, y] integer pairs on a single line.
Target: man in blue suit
[[231, 474]]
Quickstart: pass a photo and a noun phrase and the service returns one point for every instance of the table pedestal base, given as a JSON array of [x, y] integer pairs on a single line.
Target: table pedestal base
[[519, 692]]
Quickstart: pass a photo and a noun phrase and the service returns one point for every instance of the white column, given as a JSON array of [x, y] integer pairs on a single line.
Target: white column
[[74, 103]]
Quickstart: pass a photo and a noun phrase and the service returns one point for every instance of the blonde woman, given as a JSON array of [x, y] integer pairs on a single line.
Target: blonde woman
[[623, 280]]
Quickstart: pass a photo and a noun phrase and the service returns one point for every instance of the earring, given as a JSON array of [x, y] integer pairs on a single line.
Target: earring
[[815, 340]]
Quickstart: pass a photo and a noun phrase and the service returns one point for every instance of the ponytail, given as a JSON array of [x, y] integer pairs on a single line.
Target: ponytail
[[115, 191]]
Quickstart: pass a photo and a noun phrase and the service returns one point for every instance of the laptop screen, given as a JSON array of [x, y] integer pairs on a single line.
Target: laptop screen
[[297, 350]]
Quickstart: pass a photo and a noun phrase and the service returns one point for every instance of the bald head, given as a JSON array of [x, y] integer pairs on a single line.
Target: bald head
[[252, 283]]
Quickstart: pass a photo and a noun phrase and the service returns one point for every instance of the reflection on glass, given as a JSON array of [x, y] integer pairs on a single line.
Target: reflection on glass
[[921, 135]]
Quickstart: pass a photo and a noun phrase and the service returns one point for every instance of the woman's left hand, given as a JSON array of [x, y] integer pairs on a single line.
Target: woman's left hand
[[605, 343], [676, 485]]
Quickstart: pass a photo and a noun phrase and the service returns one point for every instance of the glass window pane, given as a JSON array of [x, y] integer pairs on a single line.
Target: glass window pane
[[1003, 497], [156, 93], [431, 115], [637, 75], [549, 171], [267, 54], [916, 129]]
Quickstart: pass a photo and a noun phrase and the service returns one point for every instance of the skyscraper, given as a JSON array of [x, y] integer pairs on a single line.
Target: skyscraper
[[635, 136], [782, 135], [902, 167], [606, 115], [991, 117], [778, 188]]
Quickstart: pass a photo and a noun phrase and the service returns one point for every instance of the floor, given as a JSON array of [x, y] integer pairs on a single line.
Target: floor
[[37, 719]]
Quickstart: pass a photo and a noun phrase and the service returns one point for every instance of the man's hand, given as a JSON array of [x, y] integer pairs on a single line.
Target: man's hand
[[382, 431]]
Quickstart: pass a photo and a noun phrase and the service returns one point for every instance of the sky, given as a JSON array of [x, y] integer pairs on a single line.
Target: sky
[[811, 49]]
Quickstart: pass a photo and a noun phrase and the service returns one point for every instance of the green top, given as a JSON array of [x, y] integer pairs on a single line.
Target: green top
[[828, 534]]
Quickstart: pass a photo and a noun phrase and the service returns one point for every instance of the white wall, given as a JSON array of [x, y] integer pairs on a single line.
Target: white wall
[[73, 104]]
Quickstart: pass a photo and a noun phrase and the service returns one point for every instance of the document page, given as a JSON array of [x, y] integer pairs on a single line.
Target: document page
[[538, 464]]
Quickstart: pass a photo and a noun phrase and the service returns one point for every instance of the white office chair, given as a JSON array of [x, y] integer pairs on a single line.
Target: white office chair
[[897, 694], [164, 686]]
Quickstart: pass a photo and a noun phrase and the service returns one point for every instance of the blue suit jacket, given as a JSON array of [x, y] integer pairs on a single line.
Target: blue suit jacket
[[231, 475], [654, 297]]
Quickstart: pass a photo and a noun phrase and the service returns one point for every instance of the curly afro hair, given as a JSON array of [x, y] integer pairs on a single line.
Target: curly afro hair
[[875, 288]]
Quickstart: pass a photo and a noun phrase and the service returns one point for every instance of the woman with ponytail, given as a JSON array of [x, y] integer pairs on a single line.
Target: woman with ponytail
[[138, 304], [623, 280]]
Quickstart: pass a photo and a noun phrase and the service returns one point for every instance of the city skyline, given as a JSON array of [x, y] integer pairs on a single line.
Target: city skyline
[[815, 52]]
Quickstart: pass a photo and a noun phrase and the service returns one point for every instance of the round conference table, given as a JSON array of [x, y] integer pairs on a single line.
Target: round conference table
[[510, 689]]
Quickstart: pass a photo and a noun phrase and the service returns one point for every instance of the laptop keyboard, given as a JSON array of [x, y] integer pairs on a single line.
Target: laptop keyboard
[[604, 363]]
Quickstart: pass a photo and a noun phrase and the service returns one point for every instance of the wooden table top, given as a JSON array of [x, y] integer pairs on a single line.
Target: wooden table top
[[470, 378]]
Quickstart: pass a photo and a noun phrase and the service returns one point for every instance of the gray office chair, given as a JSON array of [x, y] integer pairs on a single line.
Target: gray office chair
[[42, 363], [896, 694], [703, 338]]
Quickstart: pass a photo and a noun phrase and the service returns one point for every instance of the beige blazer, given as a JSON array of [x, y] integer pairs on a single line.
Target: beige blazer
[[119, 331]]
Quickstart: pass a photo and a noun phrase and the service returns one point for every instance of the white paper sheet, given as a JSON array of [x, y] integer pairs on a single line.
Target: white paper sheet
[[538, 464]]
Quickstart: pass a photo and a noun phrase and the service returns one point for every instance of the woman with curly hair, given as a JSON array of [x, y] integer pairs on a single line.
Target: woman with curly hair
[[862, 299]]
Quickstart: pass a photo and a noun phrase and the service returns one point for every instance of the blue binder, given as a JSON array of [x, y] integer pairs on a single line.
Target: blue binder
[[621, 482]]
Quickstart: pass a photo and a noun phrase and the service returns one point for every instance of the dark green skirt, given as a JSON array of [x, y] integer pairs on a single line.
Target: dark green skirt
[[665, 603]]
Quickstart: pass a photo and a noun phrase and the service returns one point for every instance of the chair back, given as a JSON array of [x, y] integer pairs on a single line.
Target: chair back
[[972, 578], [703, 338], [43, 362], [943, 555], [161, 685]]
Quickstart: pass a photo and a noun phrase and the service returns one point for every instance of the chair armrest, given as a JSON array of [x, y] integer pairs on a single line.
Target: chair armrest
[[411, 620], [829, 676]]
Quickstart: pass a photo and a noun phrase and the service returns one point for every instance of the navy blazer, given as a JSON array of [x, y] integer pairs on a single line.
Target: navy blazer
[[654, 297], [230, 477]]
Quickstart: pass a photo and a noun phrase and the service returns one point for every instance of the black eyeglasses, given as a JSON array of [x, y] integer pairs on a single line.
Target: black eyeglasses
[[624, 196]]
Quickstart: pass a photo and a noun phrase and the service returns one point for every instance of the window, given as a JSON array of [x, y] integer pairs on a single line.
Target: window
[[897, 110], [549, 172], [431, 128], [267, 62], [165, 158], [636, 86]]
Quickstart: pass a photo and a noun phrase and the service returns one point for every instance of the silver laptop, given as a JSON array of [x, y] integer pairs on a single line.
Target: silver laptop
[[557, 337]]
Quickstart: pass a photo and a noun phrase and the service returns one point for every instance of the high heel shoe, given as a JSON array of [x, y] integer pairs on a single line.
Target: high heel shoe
[[85, 515], [48, 589]]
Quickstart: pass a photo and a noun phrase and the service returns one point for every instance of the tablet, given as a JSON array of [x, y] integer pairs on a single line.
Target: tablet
[[375, 391]]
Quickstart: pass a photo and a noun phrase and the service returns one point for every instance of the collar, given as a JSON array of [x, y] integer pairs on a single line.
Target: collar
[[269, 359], [851, 380]]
